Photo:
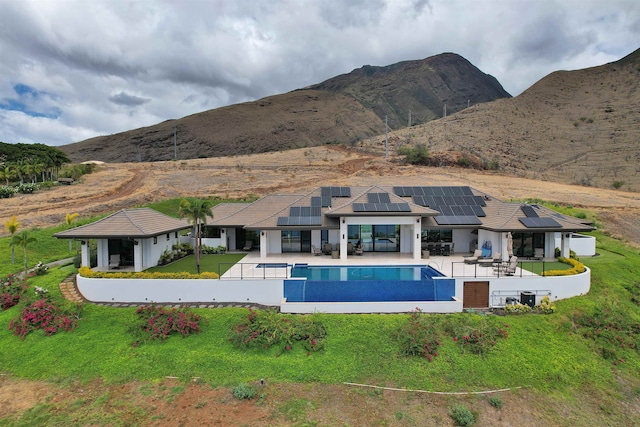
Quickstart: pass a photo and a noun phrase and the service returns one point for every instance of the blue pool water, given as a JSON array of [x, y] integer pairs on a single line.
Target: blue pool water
[[366, 284]]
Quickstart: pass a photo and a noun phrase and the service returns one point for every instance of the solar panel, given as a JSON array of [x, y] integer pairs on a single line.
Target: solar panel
[[294, 211], [381, 207], [479, 201], [299, 220], [316, 201], [478, 211], [538, 222], [457, 210], [326, 201], [529, 211], [458, 220]]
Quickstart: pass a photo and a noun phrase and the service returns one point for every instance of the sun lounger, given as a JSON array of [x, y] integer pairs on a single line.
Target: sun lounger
[[473, 259], [114, 261]]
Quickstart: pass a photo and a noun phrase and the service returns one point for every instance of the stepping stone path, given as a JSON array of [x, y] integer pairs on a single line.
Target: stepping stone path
[[69, 289]]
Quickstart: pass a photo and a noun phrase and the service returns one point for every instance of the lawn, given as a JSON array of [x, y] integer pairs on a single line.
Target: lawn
[[538, 267], [218, 263]]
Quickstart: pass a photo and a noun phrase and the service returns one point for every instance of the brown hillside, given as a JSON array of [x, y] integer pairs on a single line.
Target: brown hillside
[[345, 109], [579, 127]]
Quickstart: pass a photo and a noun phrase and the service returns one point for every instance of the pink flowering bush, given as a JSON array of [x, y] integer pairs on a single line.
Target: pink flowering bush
[[418, 336], [481, 338], [12, 288], [157, 323], [42, 314], [267, 328]]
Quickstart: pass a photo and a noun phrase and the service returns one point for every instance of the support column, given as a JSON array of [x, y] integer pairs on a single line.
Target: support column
[[86, 255], [566, 245], [417, 242], [223, 239], [137, 255], [263, 243], [344, 238]]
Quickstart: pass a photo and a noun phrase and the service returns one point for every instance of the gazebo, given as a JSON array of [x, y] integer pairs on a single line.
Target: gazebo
[[136, 238]]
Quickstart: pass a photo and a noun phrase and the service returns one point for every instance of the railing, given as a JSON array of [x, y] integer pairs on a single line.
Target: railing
[[523, 269], [253, 270], [500, 298]]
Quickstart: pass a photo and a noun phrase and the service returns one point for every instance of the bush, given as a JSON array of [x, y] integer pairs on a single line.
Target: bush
[[87, 272], [7, 191], [461, 415], [479, 339], [268, 328], [27, 188], [578, 268], [496, 402], [12, 288], [45, 315], [418, 336], [418, 155], [157, 323], [546, 306], [76, 171], [244, 391], [40, 269], [617, 184], [517, 308]]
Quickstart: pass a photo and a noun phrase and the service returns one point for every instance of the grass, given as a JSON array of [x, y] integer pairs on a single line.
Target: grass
[[538, 267], [218, 263]]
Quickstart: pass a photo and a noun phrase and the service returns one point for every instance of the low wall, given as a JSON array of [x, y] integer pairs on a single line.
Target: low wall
[[265, 292], [453, 306]]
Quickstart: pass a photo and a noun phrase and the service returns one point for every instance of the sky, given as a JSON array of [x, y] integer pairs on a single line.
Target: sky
[[71, 70]]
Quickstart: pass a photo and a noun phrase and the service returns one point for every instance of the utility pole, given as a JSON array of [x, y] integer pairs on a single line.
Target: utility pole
[[409, 118], [175, 145], [386, 138], [444, 111]]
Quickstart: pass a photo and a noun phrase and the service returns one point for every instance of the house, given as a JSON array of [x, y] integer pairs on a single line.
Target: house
[[131, 239], [393, 219]]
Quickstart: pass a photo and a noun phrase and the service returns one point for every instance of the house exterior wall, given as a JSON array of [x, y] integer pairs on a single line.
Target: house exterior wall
[[453, 306], [581, 244], [151, 251]]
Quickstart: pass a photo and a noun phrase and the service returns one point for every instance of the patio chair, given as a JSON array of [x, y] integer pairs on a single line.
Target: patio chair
[[248, 245], [445, 251], [316, 251], [327, 248], [473, 259], [497, 257], [510, 269], [538, 253], [114, 261], [359, 250]]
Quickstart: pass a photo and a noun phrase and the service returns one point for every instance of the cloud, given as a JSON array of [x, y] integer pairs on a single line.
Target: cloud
[[70, 67], [128, 100]]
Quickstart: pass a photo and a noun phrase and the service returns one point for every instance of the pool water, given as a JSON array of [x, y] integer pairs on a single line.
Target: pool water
[[367, 284]]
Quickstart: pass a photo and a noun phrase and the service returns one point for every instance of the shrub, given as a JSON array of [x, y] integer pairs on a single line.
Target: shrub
[[267, 328], [461, 415], [546, 306], [12, 288], [27, 188], [40, 269], [517, 308], [76, 171], [617, 184], [578, 268], [479, 339], [418, 336], [45, 315], [157, 323], [87, 272], [418, 155], [7, 191], [496, 402], [244, 391]]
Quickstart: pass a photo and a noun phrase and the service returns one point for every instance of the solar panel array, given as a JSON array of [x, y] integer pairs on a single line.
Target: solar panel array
[[335, 191], [381, 207], [302, 215], [539, 222], [458, 220], [378, 198], [433, 191], [529, 211]]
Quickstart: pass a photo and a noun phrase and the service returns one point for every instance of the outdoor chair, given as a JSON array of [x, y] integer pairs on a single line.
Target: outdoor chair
[[114, 261], [473, 259], [248, 245], [327, 248], [538, 253], [316, 251], [445, 251], [359, 250]]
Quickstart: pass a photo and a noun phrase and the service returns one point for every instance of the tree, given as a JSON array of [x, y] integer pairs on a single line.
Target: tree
[[68, 219], [12, 226], [23, 239], [7, 172], [196, 212]]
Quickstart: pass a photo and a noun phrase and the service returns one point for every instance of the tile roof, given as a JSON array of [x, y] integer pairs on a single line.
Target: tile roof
[[140, 222]]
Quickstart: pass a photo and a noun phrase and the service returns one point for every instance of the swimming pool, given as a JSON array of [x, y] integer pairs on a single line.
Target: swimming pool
[[367, 284]]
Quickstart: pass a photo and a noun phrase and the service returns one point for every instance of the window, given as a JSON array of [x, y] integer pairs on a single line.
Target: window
[[155, 240], [211, 232], [437, 235], [168, 236]]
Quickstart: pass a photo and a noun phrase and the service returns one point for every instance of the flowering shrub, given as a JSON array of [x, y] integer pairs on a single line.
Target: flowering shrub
[[578, 268], [27, 188], [7, 191], [40, 269], [157, 323], [42, 314], [480, 339], [264, 329], [518, 308], [546, 306], [418, 336], [41, 293], [12, 288], [87, 272]]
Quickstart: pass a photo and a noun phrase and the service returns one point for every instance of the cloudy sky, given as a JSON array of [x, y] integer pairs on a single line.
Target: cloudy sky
[[71, 70]]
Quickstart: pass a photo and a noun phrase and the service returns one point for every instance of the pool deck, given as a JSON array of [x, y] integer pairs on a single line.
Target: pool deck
[[450, 266]]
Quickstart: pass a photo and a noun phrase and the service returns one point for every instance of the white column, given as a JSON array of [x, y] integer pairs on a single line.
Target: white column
[[137, 255], [566, 245], [223, 238], [103, 253], [86, 255], [417, 242], [344, 238], [263, 243]]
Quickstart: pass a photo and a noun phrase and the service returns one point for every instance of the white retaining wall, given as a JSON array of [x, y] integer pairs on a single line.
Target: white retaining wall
[[453, 306]]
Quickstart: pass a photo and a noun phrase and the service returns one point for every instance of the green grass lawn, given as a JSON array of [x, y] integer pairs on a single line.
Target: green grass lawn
[[218, 263], [539, 267]]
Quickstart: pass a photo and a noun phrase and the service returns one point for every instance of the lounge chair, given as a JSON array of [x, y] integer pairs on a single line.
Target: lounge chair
[[248, 245], [114, 261], [510, 269], [359, 250], [538, 253], [327, 248], [497, 257], [316, 251], [473, 259]]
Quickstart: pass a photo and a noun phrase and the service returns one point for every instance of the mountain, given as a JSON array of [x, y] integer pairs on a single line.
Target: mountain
[[576, 127], [344, 109]]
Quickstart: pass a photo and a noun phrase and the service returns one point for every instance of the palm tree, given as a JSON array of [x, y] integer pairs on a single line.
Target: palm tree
[[22, 239], [7, 172], [69, 220], [196, 211], [12, 226]]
